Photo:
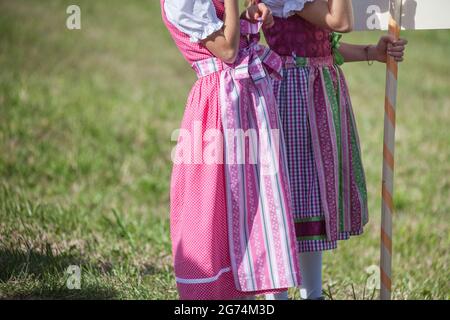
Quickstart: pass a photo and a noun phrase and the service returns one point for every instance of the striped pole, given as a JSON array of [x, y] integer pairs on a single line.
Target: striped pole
[[387, 207]]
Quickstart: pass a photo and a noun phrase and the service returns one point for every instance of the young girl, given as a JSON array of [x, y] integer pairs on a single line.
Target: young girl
[[329, 195], [231, 227]]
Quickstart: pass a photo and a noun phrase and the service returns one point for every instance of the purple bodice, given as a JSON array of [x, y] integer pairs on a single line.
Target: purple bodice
[[295, 35]]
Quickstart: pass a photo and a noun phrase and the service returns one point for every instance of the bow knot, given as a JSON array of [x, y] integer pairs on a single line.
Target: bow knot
[[335, 45], [258, 62]]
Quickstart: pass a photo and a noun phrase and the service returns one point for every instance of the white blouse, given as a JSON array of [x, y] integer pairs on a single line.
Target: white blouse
[[285, 8], [196, 18]]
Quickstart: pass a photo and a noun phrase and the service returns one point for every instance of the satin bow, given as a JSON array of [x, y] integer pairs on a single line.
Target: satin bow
[[335, 45], [259, 60]]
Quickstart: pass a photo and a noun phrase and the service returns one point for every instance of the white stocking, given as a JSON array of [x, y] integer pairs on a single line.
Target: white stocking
[[277, 296], [311, 271]]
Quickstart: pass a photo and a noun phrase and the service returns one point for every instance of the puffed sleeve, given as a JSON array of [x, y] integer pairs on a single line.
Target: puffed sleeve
[[196, 18], [285, 8]]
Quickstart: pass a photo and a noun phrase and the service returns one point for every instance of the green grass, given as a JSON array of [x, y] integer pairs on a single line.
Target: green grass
[[85, 124]]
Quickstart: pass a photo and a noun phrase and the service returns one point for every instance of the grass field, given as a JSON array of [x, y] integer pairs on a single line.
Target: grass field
[[85, 124]]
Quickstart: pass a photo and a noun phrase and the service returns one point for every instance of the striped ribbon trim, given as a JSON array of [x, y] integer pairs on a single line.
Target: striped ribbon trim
[[256, 61]]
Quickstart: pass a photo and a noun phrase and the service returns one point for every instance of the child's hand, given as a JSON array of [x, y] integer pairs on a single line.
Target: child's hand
[[260, 12], [388, 46]]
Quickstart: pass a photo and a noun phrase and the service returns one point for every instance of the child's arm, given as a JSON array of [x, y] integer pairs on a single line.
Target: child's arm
[[224, 44], [258, 11], [336, 15], [379, 52]]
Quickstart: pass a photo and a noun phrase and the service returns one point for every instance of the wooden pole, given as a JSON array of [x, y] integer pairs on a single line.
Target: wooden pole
[[387, 207]]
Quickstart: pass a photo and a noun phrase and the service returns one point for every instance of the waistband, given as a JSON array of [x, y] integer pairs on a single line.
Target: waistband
[[256, 62], [209, 66], [290, 62]]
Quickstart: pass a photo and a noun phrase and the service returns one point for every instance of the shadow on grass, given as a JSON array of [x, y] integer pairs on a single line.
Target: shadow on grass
[[31, 274]]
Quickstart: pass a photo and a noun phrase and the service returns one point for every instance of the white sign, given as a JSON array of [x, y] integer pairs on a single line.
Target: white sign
[[416, 14]]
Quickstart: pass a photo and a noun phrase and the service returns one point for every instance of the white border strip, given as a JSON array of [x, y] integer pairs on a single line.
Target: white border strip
[[203, 280]]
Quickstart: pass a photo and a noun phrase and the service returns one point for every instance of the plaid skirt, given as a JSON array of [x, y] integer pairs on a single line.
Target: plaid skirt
[[307, 92]]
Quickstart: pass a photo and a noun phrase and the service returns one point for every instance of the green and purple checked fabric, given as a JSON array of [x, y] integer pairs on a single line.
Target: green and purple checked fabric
[[329, 195]]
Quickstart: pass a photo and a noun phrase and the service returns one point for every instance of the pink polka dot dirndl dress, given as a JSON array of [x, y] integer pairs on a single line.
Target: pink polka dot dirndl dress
[[232, 230]]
